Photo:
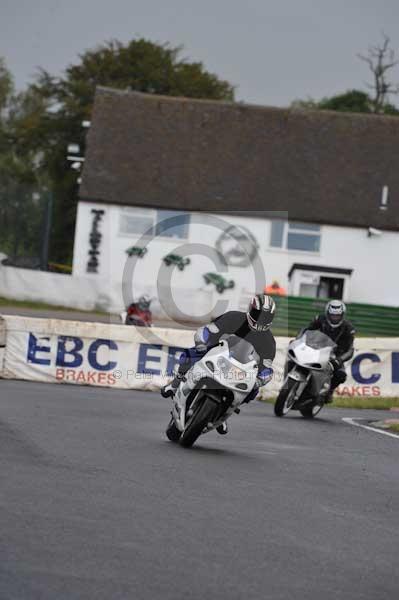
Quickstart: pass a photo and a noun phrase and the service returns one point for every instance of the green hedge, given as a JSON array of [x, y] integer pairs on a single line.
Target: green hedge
[[293, 313]]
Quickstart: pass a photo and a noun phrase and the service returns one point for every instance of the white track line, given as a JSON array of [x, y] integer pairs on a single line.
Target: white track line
[[353, 422]]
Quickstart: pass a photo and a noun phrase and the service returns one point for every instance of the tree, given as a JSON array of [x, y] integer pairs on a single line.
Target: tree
[[354, 101], [59, 105], [20, 206], [380, 60], [350, 101], [6, 85]]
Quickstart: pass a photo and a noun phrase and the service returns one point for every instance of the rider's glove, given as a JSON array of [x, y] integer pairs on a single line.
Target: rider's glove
[[264, 376], [201, 348], [201, 338], [336, 363]]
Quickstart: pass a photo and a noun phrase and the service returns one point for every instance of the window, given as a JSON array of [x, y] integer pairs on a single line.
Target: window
[[173, 224], [134, 222], [304, 237], [277, 234]]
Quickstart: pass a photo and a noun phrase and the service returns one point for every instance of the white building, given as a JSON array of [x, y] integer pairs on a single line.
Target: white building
[[309, 199]]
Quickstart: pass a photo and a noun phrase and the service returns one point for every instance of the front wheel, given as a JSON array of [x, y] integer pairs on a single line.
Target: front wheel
[[286, 398], [202, 415], [309, 412]]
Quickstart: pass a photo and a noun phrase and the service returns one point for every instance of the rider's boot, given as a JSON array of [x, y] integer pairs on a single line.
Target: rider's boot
[[169, 390], [329, 397], [222, 429]]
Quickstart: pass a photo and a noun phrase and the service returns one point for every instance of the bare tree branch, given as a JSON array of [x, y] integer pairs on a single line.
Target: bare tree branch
[[380, 59]]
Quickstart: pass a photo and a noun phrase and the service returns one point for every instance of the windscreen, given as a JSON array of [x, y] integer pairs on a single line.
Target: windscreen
[[241, 350], [318, 340]]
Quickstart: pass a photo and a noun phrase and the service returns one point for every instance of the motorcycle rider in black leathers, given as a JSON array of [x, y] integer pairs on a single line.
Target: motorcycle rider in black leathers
[[334, 324], [253, 326]]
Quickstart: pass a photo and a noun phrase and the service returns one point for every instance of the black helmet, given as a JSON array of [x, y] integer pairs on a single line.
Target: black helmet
[[260, 313], [335, 313]]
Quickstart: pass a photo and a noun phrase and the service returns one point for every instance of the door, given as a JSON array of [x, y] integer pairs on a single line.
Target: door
[[331, 287]]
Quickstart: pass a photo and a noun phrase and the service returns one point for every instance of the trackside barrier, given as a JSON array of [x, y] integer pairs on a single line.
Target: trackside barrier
[[116, 356], [2, 342]]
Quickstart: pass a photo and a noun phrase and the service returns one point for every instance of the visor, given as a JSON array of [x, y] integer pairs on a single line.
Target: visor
[[262, 322], [335, 319]]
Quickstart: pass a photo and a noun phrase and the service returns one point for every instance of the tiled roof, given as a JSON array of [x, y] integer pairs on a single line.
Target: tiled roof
[[178, 153]]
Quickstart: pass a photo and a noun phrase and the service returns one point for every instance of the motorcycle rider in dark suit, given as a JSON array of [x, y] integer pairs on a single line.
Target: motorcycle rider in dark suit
[[334, 324], [253, 326]]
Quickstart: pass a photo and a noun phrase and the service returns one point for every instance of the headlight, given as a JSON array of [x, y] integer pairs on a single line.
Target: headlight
[[230, 371]]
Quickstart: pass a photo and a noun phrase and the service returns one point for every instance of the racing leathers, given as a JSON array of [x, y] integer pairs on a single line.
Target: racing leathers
[[344, 337], [232, 322]]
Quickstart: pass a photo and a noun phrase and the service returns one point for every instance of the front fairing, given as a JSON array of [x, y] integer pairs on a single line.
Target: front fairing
[[308, 351], [311, 353], [218, 370], [220, 365]]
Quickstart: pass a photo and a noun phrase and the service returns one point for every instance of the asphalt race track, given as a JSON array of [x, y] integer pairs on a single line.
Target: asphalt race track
[[95, 503]]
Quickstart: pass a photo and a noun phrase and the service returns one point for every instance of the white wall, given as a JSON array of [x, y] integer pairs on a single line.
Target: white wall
[[82, 293], [371, 258], [91, 293]]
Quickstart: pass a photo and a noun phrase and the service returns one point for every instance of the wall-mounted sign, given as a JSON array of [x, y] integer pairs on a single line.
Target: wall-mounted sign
[[94, 241], [175, 259], [221, 284], [237, 246], [138, 251]]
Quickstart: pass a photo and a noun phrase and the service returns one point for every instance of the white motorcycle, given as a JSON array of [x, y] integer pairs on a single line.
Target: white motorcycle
[[309, 372], [213, 389]]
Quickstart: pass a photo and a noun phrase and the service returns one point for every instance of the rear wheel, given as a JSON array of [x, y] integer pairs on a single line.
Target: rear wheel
[[286, 398], [202, 415], [172, 433], [309, 412]]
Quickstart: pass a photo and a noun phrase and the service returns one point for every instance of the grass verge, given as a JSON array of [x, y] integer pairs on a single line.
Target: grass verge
[[370, 403], [43, 306], [373, 403], [394, 427]]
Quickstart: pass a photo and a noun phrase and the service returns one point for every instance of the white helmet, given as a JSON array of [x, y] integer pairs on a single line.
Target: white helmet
[[335, 313]]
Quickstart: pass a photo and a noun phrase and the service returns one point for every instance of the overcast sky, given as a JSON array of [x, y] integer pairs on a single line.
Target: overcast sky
[[273, 51]]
